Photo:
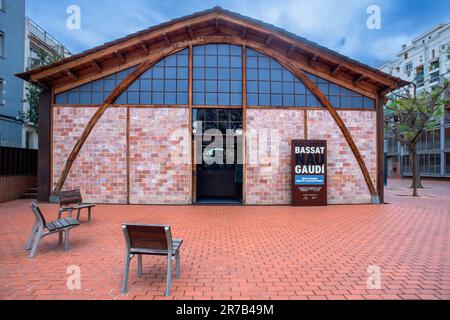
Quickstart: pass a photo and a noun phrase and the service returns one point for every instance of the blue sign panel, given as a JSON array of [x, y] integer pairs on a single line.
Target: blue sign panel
[[310, 180]]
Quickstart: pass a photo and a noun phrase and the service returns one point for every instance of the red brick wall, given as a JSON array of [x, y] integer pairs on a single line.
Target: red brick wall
[[100, 168], [13, 187], [269, 135], [160, 156], [346, 182]]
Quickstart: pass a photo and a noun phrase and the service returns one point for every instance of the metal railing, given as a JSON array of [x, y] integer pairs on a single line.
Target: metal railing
[[46, 38], [15, 161]]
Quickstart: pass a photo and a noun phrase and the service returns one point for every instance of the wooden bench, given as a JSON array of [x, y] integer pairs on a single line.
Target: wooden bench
[[150, 240], [42, 229], [70, 201]]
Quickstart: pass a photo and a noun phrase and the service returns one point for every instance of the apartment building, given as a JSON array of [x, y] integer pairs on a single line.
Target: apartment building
[[37, 39], [20, 40], [425, 62]]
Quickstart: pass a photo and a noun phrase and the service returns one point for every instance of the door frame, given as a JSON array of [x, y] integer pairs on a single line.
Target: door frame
[[194, 195]]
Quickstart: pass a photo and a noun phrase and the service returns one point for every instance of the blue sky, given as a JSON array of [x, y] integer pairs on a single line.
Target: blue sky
[[337, 24]]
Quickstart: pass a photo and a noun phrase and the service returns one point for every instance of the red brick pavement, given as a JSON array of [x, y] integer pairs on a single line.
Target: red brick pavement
[[245, 252]]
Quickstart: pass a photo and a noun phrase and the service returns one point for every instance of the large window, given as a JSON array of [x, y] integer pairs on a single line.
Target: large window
[[166, 83], [341, 97], [217, 80], [430, 140], [270, 84], [94, 92], [217, 75]]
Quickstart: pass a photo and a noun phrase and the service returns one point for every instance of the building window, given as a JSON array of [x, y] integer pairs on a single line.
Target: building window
[[270, 84], [166, 83], [340, 97], [217, 75], [2, 92], [2, 44], [409, 67]]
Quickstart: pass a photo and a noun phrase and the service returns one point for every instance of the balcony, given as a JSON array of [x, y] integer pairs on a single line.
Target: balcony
[[49, 41]]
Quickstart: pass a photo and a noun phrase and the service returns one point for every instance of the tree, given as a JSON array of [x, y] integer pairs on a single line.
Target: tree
[[411, 114], [32, 94]]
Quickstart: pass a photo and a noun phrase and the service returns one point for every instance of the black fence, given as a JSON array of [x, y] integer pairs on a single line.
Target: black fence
[[15, 162]]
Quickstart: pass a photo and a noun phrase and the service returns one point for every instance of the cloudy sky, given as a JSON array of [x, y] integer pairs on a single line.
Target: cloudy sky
[[337, 24]]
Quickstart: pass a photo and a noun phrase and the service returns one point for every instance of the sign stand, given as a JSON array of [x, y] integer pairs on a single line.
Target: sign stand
[[309, 173]]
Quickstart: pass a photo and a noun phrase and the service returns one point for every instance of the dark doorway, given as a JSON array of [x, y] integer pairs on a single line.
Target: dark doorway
[[218, 148]]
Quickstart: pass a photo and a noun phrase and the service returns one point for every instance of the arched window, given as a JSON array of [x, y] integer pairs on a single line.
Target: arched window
[[217, 81]]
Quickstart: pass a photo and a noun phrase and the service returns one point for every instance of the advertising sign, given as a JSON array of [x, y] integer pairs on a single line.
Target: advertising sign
[[309, 173]]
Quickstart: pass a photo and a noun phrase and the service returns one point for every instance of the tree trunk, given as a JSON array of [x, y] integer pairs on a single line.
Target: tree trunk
[[414, 169]]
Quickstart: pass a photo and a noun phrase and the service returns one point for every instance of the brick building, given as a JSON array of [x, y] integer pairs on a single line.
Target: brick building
[[203, 109]]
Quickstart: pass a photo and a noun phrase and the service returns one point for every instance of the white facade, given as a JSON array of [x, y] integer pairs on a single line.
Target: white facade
[[425, 62], [36, 38], [427, 58]]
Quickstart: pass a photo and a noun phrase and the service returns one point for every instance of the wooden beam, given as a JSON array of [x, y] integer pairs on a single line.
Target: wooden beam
[[313, 60], [144, 47], [269, 40], [166, 39], [118, 54], [244, 32], [359, 79], [97, 67], [190, 31], [291, 50], [336, 69], [71, 74], [217, 25]]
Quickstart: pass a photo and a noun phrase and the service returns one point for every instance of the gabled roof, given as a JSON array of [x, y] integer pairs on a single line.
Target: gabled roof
[[132, 49]]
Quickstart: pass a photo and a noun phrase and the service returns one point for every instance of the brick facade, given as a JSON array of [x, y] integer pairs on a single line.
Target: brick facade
[[346, 184], [160, 156], [100, 168], [13, 187], [268, 139]]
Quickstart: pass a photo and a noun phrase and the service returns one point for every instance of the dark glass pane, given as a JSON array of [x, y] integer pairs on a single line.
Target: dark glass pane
[[146, 85], [263, 62], [275, 87], [170, 85], [122, 99], [276, 75], [145, 98], [252, 87], [85, 98], [211, 86], [170, 98], [264, 99], [86, 87], [97, 85], [252, 74], [264, 75], [236, 99], [211, 49], [182, 98], [97, 98], [288, 87], [158, 97], [211, 62], [210, 115], [199, 61], [73, 98], [224, 62], [300, 100], [224, 49], [223, 115], [277, 100], [110, 85], [252, 62], [171, 61], [224, 99], [133, 97], [158, 73], [252, 100], [61, 98], [236, 86], [288, 100], [210, 73], [199, 86], [134, 86], [224, 86], [346, 102], [211, 99], [335, 101], [182, 86], [158, 85], [183, 73], [264, 87], [171, 73], [198, 98]]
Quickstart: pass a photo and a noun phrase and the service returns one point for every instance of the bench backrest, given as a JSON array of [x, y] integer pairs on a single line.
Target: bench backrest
[[70, 197], [147, 237], [40, 220]]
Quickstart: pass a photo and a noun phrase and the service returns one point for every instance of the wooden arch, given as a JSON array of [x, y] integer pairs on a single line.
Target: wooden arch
[[154, 57]]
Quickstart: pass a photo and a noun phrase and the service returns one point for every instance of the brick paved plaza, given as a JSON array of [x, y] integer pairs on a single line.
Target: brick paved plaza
[[245, 252]]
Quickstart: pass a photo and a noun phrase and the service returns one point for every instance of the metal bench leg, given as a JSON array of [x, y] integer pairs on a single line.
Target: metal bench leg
[[125, 273], [177, 262], [36, 242], [30, 240], [169, 274], [139, 269], [89, 215], [78, 214], [66, 240], [61, 237]]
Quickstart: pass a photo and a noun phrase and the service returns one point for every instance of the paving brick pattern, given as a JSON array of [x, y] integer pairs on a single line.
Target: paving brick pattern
[[245, 252]]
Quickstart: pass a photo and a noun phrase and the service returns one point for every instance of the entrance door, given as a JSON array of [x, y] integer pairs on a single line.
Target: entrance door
[[218, 147]]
